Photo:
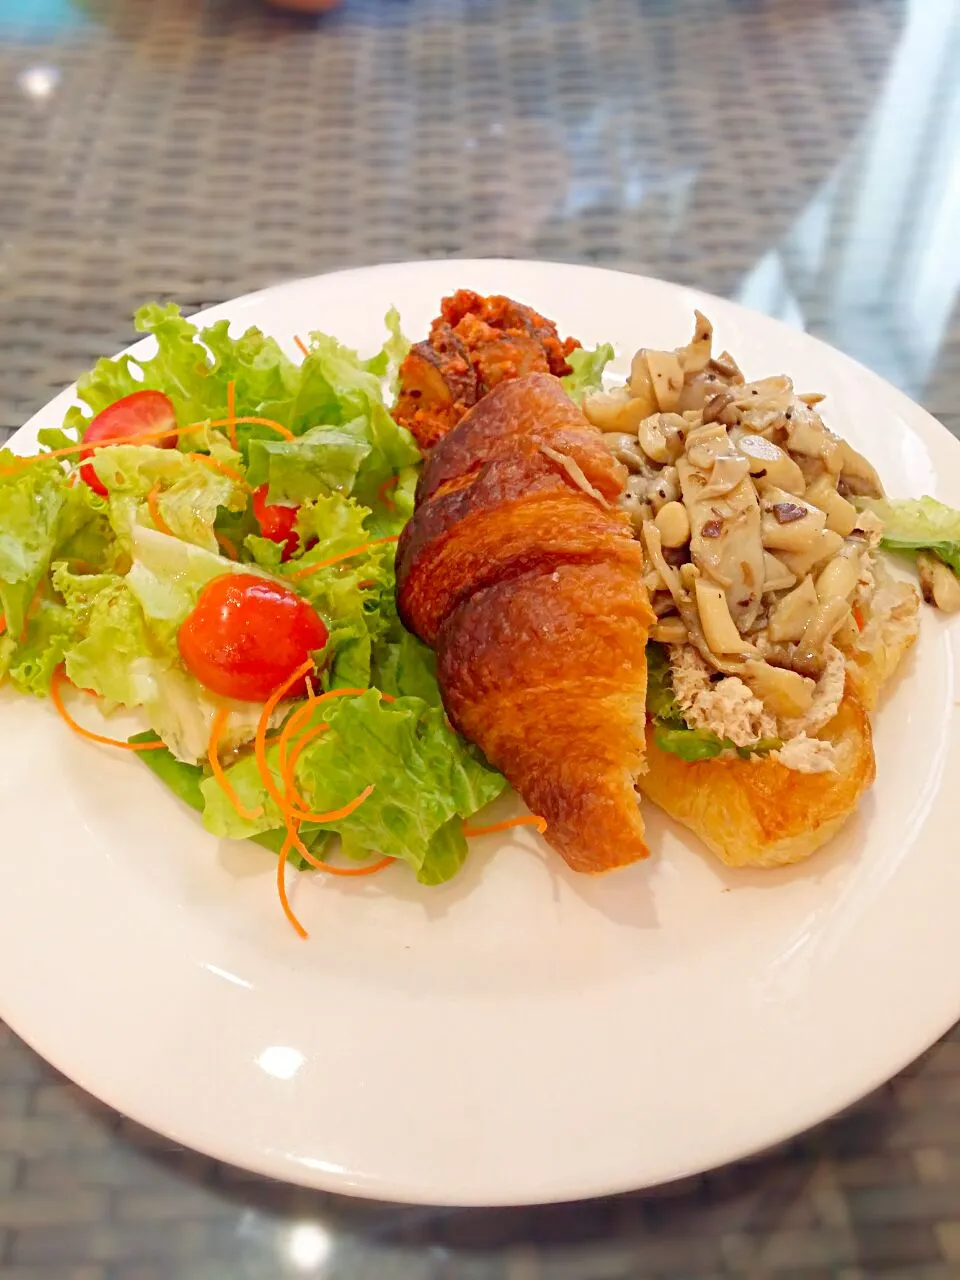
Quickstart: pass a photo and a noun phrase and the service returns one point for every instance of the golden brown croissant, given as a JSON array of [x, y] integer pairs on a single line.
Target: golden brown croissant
[[526, 579]]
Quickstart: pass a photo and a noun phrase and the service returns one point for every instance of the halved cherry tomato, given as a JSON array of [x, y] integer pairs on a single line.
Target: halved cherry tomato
[[246, 635], [134, 415], [277, 521]]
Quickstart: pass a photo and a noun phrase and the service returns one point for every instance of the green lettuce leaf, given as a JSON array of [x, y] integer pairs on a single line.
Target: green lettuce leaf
[[111, 652], [919, 524], [424, 776], [48, 636], [167, 574], [407, 667], [325, 459], [588, 367], [191, 496], [671, 731], [32, 501]]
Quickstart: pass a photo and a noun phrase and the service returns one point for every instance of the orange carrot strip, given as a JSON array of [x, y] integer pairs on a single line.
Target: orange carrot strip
[[382, 493], [334, 815], [532, 821], [344, 555], [217, 465], [260, 741], [282, 889], [858, 617], [142, 437], [59, 676], [232, 414], [153, 506], [213, 755], [228, 545], [318, 863], [280, 429], [3, 624], [301, 344]]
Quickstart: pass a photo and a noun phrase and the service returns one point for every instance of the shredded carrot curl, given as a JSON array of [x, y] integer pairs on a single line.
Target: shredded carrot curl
[[335, 815], [318, 863], [228, 545], [3, 624], [301, 344], [142, 437], [217, 465], [213, 755], [532, 821], [232, 414], [153, 506], [56, 697], [282, 889], [260, 741], [383, 491], [344, 555], [858, 617], [280, 429]]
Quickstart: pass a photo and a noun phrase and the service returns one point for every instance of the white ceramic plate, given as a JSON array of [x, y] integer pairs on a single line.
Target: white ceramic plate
[[522, 1034]]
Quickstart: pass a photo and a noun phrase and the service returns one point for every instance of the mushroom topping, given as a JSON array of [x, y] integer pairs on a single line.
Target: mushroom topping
[[731, 555], [661, 436], [770, 466], [792, 614], [789, 523], [938, 583], [755, 554]]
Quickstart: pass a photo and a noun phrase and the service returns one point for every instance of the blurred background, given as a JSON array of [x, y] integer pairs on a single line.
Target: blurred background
[[801, 156]]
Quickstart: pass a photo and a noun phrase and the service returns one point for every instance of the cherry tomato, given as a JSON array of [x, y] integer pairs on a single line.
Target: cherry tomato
[[135, 415], [276, 521], [246, 635]]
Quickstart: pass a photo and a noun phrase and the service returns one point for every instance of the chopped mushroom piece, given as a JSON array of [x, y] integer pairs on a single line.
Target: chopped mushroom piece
[[938, 582]]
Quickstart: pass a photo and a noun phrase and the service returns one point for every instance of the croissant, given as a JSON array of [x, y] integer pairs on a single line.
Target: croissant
[[523, 575]]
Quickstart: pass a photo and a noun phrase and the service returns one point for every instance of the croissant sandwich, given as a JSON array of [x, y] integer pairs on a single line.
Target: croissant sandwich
[[520, 568], [776, 624]]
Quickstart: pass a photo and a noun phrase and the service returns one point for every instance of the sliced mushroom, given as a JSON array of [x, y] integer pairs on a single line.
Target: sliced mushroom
[[664, 487], [724, 538], [938, 582], [640, 384], [857, 475], [719, 627], [784, 693], [825, 544], [669, 631], [789, 523], [625, 449], [634, 501], [770, 466], [776, 575], [841, 514], [839, 577], [667, 377], [820, 628], [669, 576], [662, 435], [615, 410], [695, 356], [792, 614], [728, 471]]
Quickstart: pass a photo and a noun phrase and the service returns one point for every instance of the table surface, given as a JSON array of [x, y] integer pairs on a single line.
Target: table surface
[[801, 157]]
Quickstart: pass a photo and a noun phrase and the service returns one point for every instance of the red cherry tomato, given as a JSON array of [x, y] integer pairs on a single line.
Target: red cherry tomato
[[276, 521], [246, 635], [135, 415]]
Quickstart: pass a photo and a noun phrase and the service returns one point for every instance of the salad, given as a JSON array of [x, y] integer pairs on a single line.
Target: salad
[[208, 539]]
